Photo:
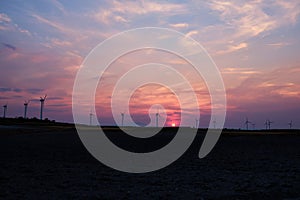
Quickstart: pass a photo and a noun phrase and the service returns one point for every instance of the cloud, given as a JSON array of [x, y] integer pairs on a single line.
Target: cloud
[[34, 90], [276, 87], [289, 10], [5, 21], [246, 18], [4, 18], [239, 71], [180, 25], [26, 90], [4, 89], [240, 21], [6, 24], [9, 46], [53, 24], [59, 6], [191, 33], [233, 48], [144, 7], [55, 42], [124, 12], [279, 44]]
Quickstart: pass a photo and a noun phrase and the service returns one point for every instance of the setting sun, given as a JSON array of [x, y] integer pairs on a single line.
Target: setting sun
[[173, 124]]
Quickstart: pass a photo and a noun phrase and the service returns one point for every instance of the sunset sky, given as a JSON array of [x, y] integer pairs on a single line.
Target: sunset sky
[[255, 44]]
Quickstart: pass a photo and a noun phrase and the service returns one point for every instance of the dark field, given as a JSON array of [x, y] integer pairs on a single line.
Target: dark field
[[50, 162]]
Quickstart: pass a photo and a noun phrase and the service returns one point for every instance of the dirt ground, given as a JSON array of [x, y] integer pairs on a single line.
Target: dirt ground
[[41, 163]]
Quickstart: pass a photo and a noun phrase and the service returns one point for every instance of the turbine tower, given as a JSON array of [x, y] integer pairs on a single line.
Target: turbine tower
[[91, 118], [157, 115], [253, 126], [266, 124], [247, 122], [4, 110], [122, 115], [197, 123], [269, 124], [214, 122], [25, 108], [291, 124], [42, 100]]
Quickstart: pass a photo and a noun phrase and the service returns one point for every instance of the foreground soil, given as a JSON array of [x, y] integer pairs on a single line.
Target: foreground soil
[[51, 163]]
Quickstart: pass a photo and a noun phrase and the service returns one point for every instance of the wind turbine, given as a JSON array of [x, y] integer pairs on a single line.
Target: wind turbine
[[42, 100], [214, 122], [253, 126], [157, 115], [4, 111], [269, 124], [91, 118], [291, 124], [247, 122], [25, 108], [266, 124], [122, 115], [197, 123]]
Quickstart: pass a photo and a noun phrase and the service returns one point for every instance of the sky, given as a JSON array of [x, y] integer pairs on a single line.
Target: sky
[[255, 44]]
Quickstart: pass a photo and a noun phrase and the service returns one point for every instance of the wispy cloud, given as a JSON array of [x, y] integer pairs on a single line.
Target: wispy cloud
[[279, 44], [59, 6], [179, 25], [242, 21], [9, 46], [233, 48], [290, 10], [119, 11], [239, 71], [4, 89], [279, 85], [4, 18], [144, 7], [53, 24], [7, 24], [191, 33]]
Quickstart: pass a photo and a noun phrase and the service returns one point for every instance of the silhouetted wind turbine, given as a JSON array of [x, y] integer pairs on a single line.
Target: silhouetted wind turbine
[[122, 115], [266, 124], [25, 108], [197, 123], [42, 100], [214, 122], [4, 110], [247, 122], [157, 115], [269, 124], [91, 118], [253, 126], [291, 124]]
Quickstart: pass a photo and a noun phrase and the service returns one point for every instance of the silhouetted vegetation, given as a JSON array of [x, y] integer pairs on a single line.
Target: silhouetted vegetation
[[30, 121]]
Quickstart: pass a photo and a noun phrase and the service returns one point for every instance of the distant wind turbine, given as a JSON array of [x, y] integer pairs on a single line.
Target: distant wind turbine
[[197, 123], [157, 115], [4, 110], [253, 126], [214, 122], [266, 124], [122, 115], [247, 122], [269, 124], [291, 124], [91, 118], [42, 100], [25, 108]]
